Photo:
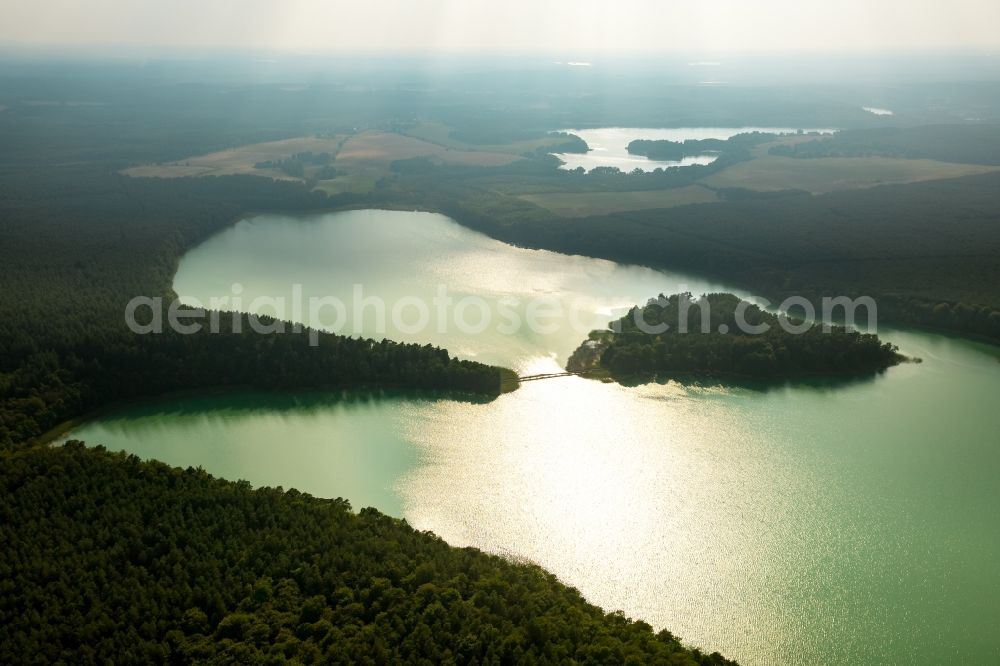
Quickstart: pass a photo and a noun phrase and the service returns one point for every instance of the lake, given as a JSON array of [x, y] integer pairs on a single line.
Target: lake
[[609, 145], [818, 522]]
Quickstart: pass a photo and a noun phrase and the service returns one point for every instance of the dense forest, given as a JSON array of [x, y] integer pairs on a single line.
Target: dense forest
[[721, 335], [110, 559], [674, 150], [79, 243]]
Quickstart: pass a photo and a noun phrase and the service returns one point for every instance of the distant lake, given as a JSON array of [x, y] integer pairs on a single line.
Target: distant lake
[[609, 145], [819, 522]]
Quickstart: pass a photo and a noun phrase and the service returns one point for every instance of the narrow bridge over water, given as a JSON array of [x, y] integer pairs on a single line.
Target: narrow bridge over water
[[552, 375]]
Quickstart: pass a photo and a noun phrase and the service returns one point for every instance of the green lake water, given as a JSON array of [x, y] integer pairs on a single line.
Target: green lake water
[[820, 523]]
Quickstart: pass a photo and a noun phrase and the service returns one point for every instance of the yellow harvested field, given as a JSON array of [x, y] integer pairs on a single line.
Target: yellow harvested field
[[385, 148], [360, 160], [240, 160], [579, 204], [828, 174], [441, 135]]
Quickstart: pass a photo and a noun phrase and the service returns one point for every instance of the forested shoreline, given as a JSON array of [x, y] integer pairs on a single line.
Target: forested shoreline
[[734, 149], [108, 558], [719, 335], [145, 563], [72, 261], [903, 245]]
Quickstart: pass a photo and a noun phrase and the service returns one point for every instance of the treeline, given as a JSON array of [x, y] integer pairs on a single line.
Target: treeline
[[721, 335], [568, 143], [973, 144], [662, 149], [674, 150], [967, 318], [110, 559], [49, 384], [79, 243]]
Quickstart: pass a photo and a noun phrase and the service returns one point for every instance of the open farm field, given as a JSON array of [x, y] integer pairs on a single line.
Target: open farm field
[[442, 135], [830, 174], [386, 147], [578, 204], [359, 160], [241, 160]]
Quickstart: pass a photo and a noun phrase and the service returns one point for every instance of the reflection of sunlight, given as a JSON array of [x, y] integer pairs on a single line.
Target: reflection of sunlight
[[707, 510], [586, 485], [722, 514], [539, 365], [614, 310], [609, 145], [395, 255], [591, 483]]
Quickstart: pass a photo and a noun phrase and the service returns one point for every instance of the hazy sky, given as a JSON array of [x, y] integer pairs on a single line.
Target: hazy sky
[[554, 25]]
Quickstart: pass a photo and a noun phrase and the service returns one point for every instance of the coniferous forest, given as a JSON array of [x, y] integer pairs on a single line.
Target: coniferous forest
[[78, 245], [110, 559], [721, 335], [138, 562]]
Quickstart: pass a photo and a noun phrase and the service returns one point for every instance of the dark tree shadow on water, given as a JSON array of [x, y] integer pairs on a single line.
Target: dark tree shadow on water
[[246, 402], [814, 383]]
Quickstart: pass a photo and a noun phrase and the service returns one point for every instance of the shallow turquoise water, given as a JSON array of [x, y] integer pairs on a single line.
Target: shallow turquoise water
[[807, 523]]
